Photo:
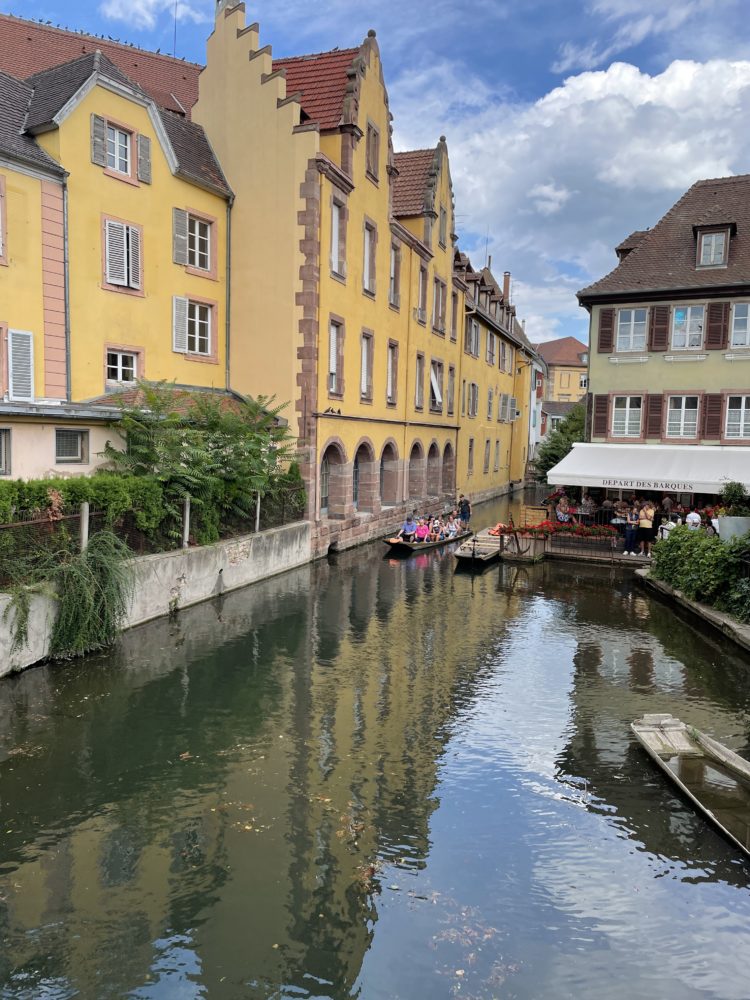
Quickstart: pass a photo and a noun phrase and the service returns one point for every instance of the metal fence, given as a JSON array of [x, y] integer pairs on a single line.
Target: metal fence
[[563, 544]]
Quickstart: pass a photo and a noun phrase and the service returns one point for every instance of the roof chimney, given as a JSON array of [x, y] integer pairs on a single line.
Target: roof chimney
[[489, 263], [506, 285]]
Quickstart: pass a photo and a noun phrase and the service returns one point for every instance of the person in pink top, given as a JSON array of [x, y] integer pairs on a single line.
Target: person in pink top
[[423, 530]]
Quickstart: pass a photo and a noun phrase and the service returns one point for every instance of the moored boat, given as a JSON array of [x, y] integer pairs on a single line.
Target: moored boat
[[398, 545], [714, 778], [483, 548]]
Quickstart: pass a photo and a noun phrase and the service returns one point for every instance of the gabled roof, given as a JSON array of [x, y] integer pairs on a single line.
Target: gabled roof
[[664, 260], [28, 48], [632, 241], [412, 182], [195, 157], [15, 97], [54, 87], [322, 80], [564, 351], [554, 409]]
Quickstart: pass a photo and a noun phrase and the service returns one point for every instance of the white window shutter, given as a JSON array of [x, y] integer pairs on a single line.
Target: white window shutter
[[389, 375], [435, 386], [179, 236], [335, 222], [116, 271], [179, 324], [21, 365], [98, 141], [134, 257], [364, 376], [512, 406], [333, 350], [144, 159]]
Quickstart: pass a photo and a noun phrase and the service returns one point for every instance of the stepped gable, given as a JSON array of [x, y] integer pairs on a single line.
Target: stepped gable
[[322, 79], [15, 98], [28, 48], [54, 87], [664, 259], [412, 181]]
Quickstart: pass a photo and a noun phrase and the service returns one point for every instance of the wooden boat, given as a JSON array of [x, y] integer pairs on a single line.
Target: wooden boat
[[399, 546], [480, 550], [715, 779]]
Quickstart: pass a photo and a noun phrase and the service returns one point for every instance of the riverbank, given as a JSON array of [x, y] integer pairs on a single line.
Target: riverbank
[[727, 625]]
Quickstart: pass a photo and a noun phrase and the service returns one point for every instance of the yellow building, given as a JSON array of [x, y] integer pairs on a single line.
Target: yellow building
[[114, 242]]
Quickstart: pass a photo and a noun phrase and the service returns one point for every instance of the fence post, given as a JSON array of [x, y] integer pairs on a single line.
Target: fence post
[[257, 512], [84, 527], [185, 522]]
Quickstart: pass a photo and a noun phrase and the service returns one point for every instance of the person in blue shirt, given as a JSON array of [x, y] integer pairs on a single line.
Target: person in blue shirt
[[408, 528]]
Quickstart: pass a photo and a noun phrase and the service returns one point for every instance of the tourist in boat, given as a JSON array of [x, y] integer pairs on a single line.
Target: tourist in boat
[[464, 510], [436, 529], [408, 529], [422, 534], [451, 527], [631, 531], [646, 528]]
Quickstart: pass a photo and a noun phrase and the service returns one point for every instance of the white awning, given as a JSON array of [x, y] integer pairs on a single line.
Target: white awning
[[687, 468]]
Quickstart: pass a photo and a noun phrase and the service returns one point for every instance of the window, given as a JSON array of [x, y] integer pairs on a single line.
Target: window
[[682, 416], [583, 381], [712, 249], [372, 152], [454, 315], [740, 327], [473, 399], [497, 456], [335, 359], [491, 348], [122, 254], [471, 339], [486, 456], [394, 287], [3, 223], [193, 328], [419, 386], [470, 466], [451, 389], [422, 295], [118, 149], [439, 294], [365, 384], [564, 380], [687, 328], [4, 452], [436, 386], [121, 366], [490, 403], [325, 484], [738, 417], [368, 265], [463, 398], [511, 358], [443, 231], [391, 378], [503, 356], [631, 329], [199, 243], [338, 238], [199, 328], [20, 366], [71, 446], [626, 416], [193, 241]]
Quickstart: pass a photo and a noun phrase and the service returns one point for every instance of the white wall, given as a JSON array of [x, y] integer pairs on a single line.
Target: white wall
[[32, 448]]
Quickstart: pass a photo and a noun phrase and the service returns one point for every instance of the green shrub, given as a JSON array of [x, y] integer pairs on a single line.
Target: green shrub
[[701, 566]]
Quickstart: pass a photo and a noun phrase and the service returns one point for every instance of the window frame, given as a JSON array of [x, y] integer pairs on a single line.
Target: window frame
[[422, 294], [210, 222], [454, 316], [583, 381], [470, 458], [129, 227], [744, 417], [491, 353], [372, 152], [338, 267], [116, 349], [668, 409], [366, 360], [627, 433], [631, 348], [732, 344], [437, 368], [82, 458], [443, 227], [394, 278], [419, 382], [391, 373], [335, 380], [688, 321], [705, 235], [487, 451], [369, 257], [6, 457], [119, 129]]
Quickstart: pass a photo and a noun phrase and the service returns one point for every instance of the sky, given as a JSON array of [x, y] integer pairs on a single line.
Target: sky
[[570, 123]]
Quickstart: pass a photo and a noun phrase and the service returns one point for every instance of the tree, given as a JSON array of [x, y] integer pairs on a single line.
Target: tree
[[560, 441]]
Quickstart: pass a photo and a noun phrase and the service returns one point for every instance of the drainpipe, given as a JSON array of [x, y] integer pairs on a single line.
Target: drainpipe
[[228, 298], [66, 291]]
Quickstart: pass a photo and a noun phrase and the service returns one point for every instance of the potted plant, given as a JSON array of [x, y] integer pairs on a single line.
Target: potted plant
[[734, 519]]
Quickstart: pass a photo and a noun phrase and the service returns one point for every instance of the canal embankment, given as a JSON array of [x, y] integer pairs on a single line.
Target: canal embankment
[[168, 581], [725, 624]]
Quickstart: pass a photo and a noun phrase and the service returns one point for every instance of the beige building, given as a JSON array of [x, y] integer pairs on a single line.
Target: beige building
[[567, 363]]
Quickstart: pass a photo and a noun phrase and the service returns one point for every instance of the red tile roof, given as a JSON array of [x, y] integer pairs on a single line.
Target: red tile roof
[[411, 183], [565, 351], [27, 48], [322, 79], [664, 260]]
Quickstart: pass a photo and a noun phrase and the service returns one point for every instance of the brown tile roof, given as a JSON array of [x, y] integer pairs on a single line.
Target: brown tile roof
[[664, 260], [15, 97], [322, 79], [195, 157], [183, 398], [412, 181], [632, 241], [27, 47], [565, 351]]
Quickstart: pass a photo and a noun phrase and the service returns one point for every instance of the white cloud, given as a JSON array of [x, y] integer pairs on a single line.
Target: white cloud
[[550, 187], [146, 13]]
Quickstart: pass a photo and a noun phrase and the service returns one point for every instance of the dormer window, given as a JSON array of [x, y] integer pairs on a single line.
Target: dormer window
[[712, 248]]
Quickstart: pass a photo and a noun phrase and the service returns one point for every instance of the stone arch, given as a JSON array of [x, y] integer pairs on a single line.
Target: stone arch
[[365, 477], [448, 478], [332, 480], [389, 474], [433, 470], [416, 471]]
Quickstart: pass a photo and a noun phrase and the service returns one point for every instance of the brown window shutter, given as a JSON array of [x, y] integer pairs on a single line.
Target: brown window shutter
[[713, 404], [606, 331], [658, 337], [601, 416], [654, 407], [718, 326]]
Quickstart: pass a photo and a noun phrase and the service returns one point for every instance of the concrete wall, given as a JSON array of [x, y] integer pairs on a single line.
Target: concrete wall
[[173, 580]]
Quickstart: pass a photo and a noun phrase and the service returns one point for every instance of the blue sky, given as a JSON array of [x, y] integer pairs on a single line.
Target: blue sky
[[569, 122]]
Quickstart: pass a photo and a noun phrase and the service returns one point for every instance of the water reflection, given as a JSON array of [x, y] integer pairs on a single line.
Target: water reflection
[[371, 778]]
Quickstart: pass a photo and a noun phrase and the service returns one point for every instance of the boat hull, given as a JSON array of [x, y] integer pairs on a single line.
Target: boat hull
[[400, 547]]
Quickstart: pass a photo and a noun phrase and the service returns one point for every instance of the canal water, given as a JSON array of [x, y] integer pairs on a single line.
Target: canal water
[[374, 778]]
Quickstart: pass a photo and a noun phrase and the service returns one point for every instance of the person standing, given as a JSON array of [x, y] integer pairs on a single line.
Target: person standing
[[631, 531], [464, 511], [693, 519], [646, 528]]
